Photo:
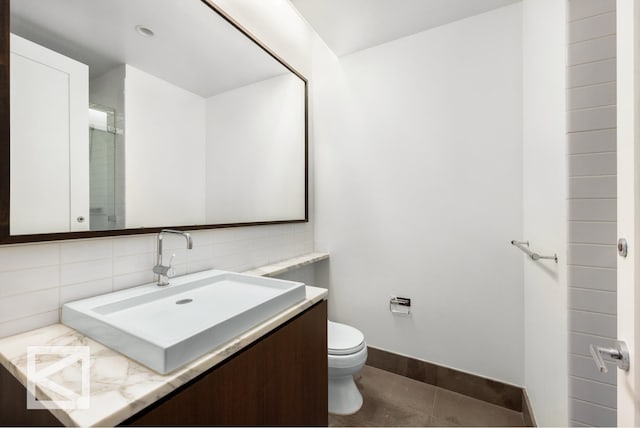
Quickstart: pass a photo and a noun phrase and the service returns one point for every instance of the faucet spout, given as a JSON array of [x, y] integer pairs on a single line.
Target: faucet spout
[[161, 270]]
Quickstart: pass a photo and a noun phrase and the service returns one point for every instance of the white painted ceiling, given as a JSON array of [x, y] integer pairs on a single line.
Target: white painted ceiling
[[193, 47], [348, 26]]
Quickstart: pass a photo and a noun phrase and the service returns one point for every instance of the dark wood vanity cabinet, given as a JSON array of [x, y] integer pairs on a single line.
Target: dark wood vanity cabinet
[[280, 380]]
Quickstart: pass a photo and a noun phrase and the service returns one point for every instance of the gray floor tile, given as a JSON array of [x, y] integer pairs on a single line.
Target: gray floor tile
[[393, 400], [435, 422], [451, 408], [389, 400]]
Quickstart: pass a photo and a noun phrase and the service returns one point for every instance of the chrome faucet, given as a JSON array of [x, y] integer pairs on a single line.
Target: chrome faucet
[[161, 270]]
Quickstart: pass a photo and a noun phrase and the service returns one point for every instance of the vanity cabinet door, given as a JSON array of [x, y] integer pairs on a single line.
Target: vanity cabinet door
[[279, 380]]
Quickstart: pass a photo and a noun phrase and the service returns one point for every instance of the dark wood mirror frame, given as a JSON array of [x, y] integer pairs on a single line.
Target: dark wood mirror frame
[[5, 133]]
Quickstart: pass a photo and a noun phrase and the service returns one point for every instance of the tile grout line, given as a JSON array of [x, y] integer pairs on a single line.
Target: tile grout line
[[597, 336], [586, 85], [607, 83], [591, 312], [590, 39], [594, 107], [592, 403], [592, 380], [604, 152], [433, 406], [591, 61], [570, 21], [28, 316]]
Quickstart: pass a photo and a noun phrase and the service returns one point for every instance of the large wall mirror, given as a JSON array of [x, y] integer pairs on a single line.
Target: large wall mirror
[[128, 116]]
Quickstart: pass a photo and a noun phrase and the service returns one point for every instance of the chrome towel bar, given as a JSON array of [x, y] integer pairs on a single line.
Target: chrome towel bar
[[524, 246]]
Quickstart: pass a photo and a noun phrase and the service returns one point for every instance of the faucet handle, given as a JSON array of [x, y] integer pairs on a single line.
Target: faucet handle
[[171, 272]]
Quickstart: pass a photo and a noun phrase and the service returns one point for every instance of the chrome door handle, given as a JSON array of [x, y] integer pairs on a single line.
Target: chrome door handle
[[620, 354]]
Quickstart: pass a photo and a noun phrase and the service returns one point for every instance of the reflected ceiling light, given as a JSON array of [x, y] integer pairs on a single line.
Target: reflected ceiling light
[[144, 31]]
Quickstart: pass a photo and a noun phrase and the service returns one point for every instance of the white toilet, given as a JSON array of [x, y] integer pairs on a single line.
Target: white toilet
[[347, 355]]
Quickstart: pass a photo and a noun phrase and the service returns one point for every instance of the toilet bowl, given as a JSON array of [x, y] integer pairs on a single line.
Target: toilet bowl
[[347, 355]]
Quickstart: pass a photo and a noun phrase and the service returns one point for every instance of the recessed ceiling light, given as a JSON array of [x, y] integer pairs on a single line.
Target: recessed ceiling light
[[144, 31]]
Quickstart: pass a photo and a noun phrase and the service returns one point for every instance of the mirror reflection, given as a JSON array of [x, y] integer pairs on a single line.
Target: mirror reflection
[[148, 113]]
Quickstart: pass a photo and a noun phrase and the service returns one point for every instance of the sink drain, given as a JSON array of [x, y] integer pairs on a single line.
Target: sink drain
[[184, 301]]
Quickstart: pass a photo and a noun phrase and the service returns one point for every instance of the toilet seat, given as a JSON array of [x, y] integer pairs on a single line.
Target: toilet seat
[[343, 339]]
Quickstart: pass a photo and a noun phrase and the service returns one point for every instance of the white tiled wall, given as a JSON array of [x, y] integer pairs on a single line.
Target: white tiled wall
[[36, 279], [591, 96]]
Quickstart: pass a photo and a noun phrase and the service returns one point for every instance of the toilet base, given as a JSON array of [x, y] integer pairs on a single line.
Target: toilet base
[[344, 396]]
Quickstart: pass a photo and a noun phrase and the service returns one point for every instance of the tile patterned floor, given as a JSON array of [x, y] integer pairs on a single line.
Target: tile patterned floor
[[392, 400]]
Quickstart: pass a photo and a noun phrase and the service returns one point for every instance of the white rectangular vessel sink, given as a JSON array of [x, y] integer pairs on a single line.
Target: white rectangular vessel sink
[[167, 327]]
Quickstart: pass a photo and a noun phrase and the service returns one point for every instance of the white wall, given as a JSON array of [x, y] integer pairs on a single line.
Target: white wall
[[419, 192], [545, 193], [262, 126], [36, 278], [165, 166], [108, 90]]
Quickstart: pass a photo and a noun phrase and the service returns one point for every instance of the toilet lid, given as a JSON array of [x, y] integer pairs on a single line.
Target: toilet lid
[[344, 339]]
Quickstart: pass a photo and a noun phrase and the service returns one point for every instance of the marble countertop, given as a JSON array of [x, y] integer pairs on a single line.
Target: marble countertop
[[121, 387], [288, 265]]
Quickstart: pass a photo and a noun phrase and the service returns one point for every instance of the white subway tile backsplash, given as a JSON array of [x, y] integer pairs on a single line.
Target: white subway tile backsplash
[[78, 251], [592, 164], [592, 27], [221, 236], [603, 140], [200, 252], [29, 256], [75, 273], [584, 367], [592, 96], [591, 119], [127, 245], [592, 232], [593, 323], [134, 263], [27, 323], [70, 293], [592, 210], [592, 414], [228, 261], [243, 267], [592, 73], [592, 187], [28, 280], [202, 237], [593, 255], [593, 392], [580, 9], [592, 277], [29, 304], [199, 266], [221, 249], [121, 282]]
